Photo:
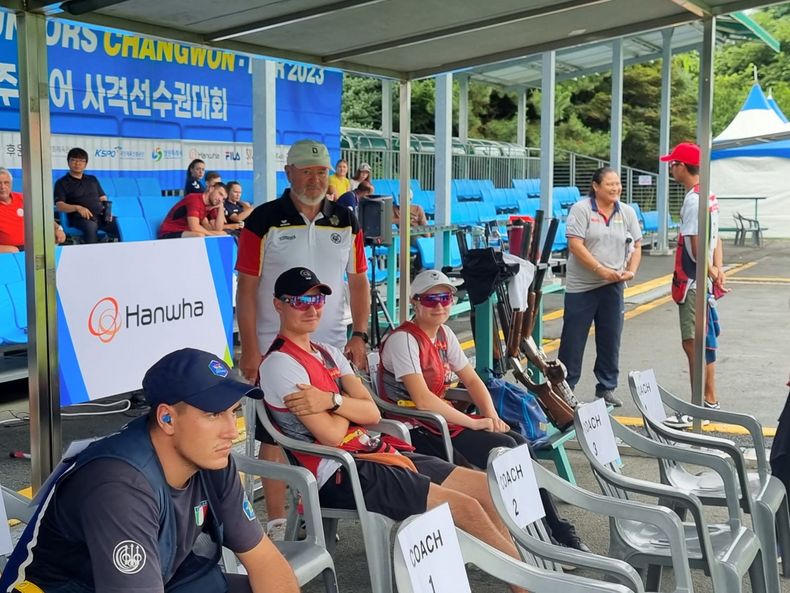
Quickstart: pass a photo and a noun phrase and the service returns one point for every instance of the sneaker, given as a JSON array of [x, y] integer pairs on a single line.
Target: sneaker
[[683, 421], [609, 397], [711, 406], [275, 529]]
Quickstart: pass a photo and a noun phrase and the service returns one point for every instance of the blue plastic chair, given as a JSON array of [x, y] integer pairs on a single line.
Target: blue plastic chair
[[126, 206], [9, 268], [134, 228], [650, 219], [10, 332], [108, 185], [149, 186], [125, 187], [155, 210]]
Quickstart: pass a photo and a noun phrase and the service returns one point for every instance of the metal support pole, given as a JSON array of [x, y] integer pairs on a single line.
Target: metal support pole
[[405, 202], [548, 83], [42, 353], [616, 148], [521, 127], [704, 139], [386, 128], [662, 191], [444, 163], [463, 119], [264, 131]]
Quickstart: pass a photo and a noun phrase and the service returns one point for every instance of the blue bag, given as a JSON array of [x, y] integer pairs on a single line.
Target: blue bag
[[519, 408]]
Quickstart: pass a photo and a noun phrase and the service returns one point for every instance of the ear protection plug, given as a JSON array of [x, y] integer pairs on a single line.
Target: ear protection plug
[[166, 418]]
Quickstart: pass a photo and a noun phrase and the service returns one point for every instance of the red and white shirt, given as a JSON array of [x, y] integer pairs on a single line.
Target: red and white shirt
[[277, 237]]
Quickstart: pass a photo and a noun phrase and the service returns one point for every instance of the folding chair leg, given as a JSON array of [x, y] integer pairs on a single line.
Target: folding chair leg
[[330, 581], [757, 576], [783, 536], [765, 529], [330, 534]]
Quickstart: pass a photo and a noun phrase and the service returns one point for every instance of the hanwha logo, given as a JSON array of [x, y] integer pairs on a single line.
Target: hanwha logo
[[128, 557], [104, 320]]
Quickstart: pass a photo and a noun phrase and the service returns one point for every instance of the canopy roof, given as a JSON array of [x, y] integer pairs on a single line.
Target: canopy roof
[[395, 38], [757, 123]]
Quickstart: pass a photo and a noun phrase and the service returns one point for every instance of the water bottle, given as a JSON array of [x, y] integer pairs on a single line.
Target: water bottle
[[478, 238]]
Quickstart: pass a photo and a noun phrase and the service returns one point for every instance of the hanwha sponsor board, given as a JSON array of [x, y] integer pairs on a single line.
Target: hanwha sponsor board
[[122, 306]]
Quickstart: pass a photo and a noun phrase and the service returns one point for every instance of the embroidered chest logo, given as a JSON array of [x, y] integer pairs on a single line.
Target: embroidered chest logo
[[200, 513], [336, 238], [128, 557]]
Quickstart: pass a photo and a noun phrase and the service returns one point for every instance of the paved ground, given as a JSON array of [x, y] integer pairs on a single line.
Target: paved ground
[[752, 372]]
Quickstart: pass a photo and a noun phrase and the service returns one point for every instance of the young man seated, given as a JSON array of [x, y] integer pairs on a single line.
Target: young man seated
[[314, 395], [420, 360]]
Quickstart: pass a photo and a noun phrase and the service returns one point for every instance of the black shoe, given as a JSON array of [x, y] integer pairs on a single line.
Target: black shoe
[[609, 397], [571, 540]]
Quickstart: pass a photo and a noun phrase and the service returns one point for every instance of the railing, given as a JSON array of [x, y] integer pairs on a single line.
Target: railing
[[569, 169]]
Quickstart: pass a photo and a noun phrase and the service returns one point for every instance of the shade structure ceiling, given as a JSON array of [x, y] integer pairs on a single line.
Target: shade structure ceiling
[[402, 39]]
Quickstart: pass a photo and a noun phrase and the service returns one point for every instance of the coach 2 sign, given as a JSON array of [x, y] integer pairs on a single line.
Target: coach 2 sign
[[122, 306], [517, 484]]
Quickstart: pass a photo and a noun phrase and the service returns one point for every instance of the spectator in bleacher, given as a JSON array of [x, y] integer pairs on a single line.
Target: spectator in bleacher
[[196, 215], [604, 251], [339, 183], [351, 199], [416, 213], [149, 508], [302, 228], [362, 174], [195, 184], [212, 178], [313, 394], [420, 360], [684, 163], [81, 197], [12, 217], [236, 209]]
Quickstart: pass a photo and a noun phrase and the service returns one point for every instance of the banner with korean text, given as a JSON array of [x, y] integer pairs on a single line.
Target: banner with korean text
[[122, 306]]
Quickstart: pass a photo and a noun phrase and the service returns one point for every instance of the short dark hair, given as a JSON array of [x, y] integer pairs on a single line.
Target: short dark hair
[[598, 176], [216, 185], [211, 175], [364, 186], [692, 169], [77, 153], [229, 184]]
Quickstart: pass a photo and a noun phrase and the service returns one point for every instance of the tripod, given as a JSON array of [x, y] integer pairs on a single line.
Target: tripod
[[376, 304]]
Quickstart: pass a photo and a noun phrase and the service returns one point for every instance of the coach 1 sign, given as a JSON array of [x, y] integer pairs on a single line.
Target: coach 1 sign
[[122, 306]]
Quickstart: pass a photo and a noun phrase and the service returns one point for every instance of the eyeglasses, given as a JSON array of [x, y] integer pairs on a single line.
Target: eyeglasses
[[305, 301], [445, 299], [674, 164], [76, 160]]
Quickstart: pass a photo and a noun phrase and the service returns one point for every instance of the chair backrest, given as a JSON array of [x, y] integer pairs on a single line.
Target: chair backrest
[[134, 228], [18, 508], [149, 186], [155, 210], [125, 187], [123, 206]]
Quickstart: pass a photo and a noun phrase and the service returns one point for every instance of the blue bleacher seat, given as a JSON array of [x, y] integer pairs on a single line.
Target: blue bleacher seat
[[18, 293], [530, 187], [650, 219], [126, 206], [108, 185], [149, 186], [125, 187], [19, 258], [134, 228], [528, 206], [10, 332], [485, 212], [155, 210], [638, 210], [561, 238], [9, 268]]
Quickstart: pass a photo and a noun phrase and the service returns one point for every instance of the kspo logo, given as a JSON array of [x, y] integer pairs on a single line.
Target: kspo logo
[[104, 321]]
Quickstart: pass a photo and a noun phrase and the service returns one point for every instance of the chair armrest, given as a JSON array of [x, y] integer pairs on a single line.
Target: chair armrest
[[661, 517], [721, 466], [747, 421], [297, 478], [391, 427], [459, 394]]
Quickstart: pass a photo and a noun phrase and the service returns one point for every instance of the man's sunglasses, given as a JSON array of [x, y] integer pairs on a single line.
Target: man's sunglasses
[[305, 301], [445, 299], [674, 164]]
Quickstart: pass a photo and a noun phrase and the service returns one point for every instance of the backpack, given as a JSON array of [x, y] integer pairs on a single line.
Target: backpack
[[519, 408]]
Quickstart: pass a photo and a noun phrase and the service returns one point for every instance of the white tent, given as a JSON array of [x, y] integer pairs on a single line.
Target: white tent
[[759, 167]]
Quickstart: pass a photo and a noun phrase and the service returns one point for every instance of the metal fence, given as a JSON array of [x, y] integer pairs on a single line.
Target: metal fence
[[569, 169]]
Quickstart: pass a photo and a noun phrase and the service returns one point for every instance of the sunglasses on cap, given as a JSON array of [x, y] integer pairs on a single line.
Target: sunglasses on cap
[[434, 299], [305, 301]]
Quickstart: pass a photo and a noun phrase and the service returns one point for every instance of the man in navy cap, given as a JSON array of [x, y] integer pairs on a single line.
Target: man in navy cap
[[150, 507]]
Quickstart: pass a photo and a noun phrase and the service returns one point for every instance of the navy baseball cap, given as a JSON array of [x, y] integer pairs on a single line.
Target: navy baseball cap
[[197, 378], [297, 281]]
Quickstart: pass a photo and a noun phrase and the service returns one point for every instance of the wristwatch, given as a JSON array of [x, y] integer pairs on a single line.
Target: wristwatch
[[337, 399], [363, 335]]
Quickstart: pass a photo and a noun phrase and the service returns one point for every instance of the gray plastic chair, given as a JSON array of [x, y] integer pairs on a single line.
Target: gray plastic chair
[[759, 493], [726, 551], [536, 548], [503, 567], [309, 557], [376, 528], [18, 508]]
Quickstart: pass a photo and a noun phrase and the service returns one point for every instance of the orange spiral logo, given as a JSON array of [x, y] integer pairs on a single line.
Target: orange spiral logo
[[104, 321]]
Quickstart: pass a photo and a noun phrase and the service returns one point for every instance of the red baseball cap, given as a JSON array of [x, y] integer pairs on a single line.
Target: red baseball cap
[[685, 152]]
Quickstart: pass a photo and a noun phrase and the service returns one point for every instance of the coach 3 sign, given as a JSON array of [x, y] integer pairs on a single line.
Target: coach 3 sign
[[122, 306]]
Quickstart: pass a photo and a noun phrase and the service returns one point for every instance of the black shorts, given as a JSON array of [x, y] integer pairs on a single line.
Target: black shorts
[[261, 434], [392, 491], [175, 235], [470, 447]]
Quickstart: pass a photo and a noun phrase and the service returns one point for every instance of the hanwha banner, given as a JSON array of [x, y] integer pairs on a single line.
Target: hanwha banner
[[122, 306]]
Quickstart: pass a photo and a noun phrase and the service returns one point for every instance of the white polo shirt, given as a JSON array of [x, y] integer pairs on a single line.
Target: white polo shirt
[[277, 237]]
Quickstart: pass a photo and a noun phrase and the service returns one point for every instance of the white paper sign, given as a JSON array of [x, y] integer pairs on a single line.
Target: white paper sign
[[647, 390], [6, 545], [598, 431], [516, 478], [644, 180], [432, 553]]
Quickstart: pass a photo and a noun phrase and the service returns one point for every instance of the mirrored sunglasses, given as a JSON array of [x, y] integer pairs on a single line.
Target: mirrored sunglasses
[[674, 164], [445, 299], [305, 301]]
